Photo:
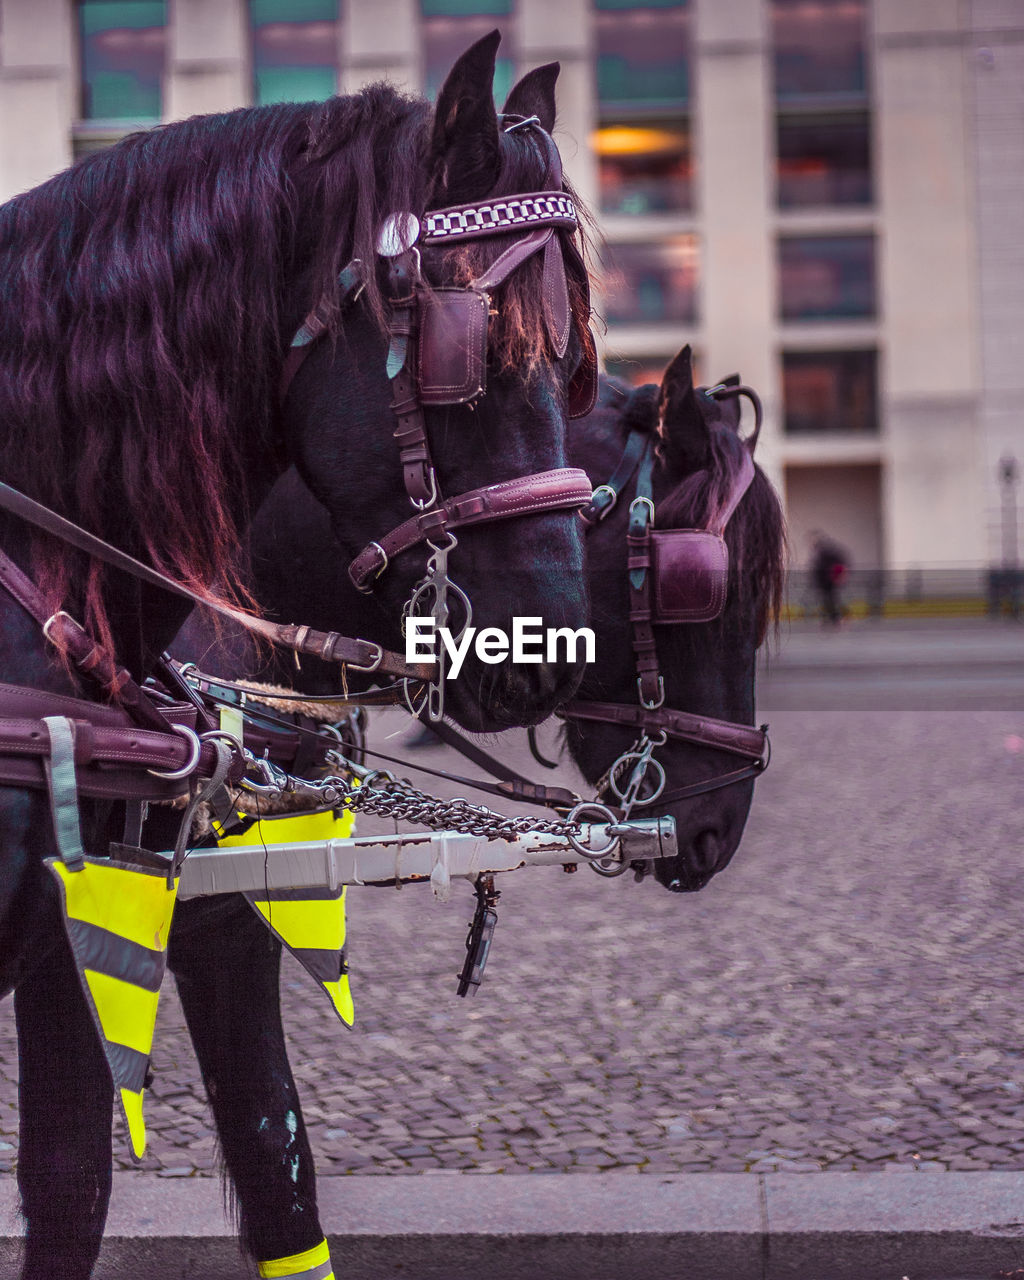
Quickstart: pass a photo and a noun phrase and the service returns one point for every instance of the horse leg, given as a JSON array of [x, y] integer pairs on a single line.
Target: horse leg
[[66, 1099], [227, 966]]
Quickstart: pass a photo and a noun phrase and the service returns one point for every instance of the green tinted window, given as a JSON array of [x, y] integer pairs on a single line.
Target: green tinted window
[[123, 52], [295, 49]]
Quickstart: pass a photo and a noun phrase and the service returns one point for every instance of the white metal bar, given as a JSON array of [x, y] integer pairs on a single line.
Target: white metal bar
[[436, 856]]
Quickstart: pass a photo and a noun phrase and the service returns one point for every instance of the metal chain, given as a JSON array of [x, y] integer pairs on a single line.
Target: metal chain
[[399, 799]]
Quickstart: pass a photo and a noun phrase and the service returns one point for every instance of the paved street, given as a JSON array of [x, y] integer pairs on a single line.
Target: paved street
[[847, 995]]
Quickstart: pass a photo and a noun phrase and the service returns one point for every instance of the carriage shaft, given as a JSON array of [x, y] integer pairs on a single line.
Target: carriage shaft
[[416, 856]]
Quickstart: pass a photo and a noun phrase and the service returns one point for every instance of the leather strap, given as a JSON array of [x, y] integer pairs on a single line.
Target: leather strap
[[605, 496], [704, 731], [528, 495], [90, 658], [650, 684]]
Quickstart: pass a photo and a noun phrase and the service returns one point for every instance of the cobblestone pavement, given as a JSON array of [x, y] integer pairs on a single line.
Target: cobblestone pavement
[[847, 995]]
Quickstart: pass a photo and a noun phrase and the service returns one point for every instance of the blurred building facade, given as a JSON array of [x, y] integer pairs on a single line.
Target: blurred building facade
[[824, 195]]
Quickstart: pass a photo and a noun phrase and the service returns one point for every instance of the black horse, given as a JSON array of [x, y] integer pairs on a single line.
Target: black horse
[[147, 300], [708, 668], [219, 947]]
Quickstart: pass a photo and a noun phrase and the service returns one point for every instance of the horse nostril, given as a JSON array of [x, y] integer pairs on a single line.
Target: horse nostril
[[705, 853]]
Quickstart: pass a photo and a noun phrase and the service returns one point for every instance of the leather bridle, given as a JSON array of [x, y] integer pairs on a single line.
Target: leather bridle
[[681, 580], [437, 355]]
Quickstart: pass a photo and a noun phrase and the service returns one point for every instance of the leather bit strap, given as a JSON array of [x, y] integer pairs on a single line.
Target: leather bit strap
[[703, 731]]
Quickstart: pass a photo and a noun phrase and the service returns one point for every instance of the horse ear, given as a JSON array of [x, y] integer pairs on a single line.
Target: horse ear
[[684, 433], [465, 147], [534, 95]]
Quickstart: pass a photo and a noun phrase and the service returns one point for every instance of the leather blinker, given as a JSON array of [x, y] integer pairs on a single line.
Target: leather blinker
[[452, 355], [690, 570]]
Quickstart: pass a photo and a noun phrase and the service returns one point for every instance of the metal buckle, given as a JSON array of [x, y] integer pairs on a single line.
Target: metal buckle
[[386, 560], [648, 502], [613, 497], [651, 706], [370, 666], [175, 775], [430, 499], [61, 613]]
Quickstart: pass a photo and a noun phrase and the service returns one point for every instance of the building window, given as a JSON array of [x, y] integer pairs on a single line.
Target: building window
[[824, 159], [643, 52], [644, 167], [294, 50], [820, 49], [652, 283], [123, 52], [451, 26], [830, 391], [827, 277]]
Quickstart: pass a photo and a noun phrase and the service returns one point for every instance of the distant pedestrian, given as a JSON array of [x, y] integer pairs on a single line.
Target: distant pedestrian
[[829, 567]]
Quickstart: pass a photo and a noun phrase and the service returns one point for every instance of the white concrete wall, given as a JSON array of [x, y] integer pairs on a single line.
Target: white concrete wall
[[996, 65], [843, 502], [208, 60], [733, 148], [380, 41], [38, 88], [924, 170]]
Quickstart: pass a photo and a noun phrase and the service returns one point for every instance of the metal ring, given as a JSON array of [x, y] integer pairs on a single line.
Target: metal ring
[[651, 764], [591, 806], [222, 735], [522, 124], [175, 775]]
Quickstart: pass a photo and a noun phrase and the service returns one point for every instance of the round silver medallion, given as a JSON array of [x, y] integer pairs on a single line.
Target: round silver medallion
[[399, 232]]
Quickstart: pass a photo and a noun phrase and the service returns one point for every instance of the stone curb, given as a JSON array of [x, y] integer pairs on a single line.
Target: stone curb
[[460, 1226]]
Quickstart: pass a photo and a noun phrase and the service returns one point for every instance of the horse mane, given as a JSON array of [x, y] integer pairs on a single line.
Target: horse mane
[[143, 317], [756, 533]]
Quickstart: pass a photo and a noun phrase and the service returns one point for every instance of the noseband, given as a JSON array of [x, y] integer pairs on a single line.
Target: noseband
[[437, 355], [675, 576]]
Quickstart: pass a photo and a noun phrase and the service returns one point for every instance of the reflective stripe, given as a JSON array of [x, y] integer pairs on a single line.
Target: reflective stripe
[[105, 952], [117, 919], [313, 1264], [309, 922], [103, 898], [294, 828], [62, 781], [128, 1012], [319, 923]]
